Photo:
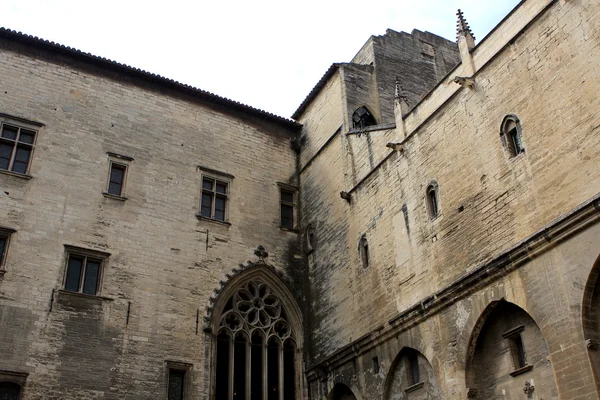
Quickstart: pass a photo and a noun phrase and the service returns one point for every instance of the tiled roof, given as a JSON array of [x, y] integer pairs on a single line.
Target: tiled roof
[[145, 75], [313, 93]]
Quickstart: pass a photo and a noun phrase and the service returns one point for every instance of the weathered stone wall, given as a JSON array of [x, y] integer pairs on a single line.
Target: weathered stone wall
[[541, 72], [164, 263]]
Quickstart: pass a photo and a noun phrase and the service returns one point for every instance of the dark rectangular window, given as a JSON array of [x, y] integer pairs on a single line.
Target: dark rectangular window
[[517, 351], [288, 208], [16, 146], [414, 373], [3, 249], [176, 384], [83, 274], [116, 179], [214, 199]]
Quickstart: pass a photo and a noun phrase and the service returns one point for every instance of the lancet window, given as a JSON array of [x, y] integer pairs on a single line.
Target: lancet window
[[256, 347]]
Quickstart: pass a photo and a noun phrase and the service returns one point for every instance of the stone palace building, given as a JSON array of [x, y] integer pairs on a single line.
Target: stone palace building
[[425, 226]]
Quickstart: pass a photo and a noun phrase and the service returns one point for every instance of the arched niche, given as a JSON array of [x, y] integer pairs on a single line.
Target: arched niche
[[591, 319], [341, 392], [256, 332], [411, 377], [506, 350]]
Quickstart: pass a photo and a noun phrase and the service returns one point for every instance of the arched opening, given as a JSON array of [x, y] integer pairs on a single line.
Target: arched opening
[[10, 391], [432, 200], [361, 118], [363, 250], [507, 349], [591, 319], [256, 352], [341, 392], [511, 136], [411, 377]]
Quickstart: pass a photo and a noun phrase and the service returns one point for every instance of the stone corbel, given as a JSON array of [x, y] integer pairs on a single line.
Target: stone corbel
[[465, 81], [592, 344], [395, 147], [471, 393]]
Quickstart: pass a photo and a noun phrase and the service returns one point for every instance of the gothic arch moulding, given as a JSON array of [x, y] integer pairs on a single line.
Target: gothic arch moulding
[[255, 330], [591, 319], [507, 343]]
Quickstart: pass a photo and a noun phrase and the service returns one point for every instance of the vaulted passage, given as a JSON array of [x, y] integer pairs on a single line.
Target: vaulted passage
[[256, 347], [411, 377], [508, 356]]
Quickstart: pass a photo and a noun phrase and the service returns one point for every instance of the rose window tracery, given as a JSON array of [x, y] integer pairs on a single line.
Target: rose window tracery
[[255, 307]]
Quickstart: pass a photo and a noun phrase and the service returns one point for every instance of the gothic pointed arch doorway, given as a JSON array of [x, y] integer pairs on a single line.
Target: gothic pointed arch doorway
[[256, 332], [591, 319], [341, 392]]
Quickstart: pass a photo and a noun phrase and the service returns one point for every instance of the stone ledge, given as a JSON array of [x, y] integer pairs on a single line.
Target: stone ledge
[[216, 221], [414, 387], [15, 174], [521, 370]]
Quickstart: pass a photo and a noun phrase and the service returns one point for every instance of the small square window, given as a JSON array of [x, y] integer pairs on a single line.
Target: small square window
[[287, 208], [213, 203], [84, 270], [16, 147]]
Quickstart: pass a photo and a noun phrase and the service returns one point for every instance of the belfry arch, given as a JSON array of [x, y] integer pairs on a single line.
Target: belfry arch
[[255, 330]]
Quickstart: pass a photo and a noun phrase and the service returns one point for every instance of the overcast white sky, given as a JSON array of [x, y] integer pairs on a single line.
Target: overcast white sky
[[265, 53]]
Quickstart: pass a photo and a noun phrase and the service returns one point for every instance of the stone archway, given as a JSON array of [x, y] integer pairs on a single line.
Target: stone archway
[[507, 356], [411, 377], [591, 319], [341, 392]]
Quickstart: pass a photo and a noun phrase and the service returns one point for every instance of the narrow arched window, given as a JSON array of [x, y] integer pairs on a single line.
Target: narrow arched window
[[310, 239], [432, 198], [511, 136], [363, 248], [362, 118], [256, 347]]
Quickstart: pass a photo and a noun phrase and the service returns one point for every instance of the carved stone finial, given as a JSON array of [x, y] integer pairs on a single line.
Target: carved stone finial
[[261, 253], [528, 389], [462, 26], [400, 94]]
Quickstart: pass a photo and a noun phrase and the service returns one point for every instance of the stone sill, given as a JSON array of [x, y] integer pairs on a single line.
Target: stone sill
[[281, 228], [114, 196], [414, 387], [216, 221], [92, 297], [521, 370], [15, 174]]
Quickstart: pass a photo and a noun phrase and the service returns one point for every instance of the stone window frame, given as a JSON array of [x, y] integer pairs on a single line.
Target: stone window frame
[[217, 177], [186, 368], [432, 200], [511, 136], [5, 235], [293, 190], [122, 161], [20, 123], [16, 377], [71, 250]]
